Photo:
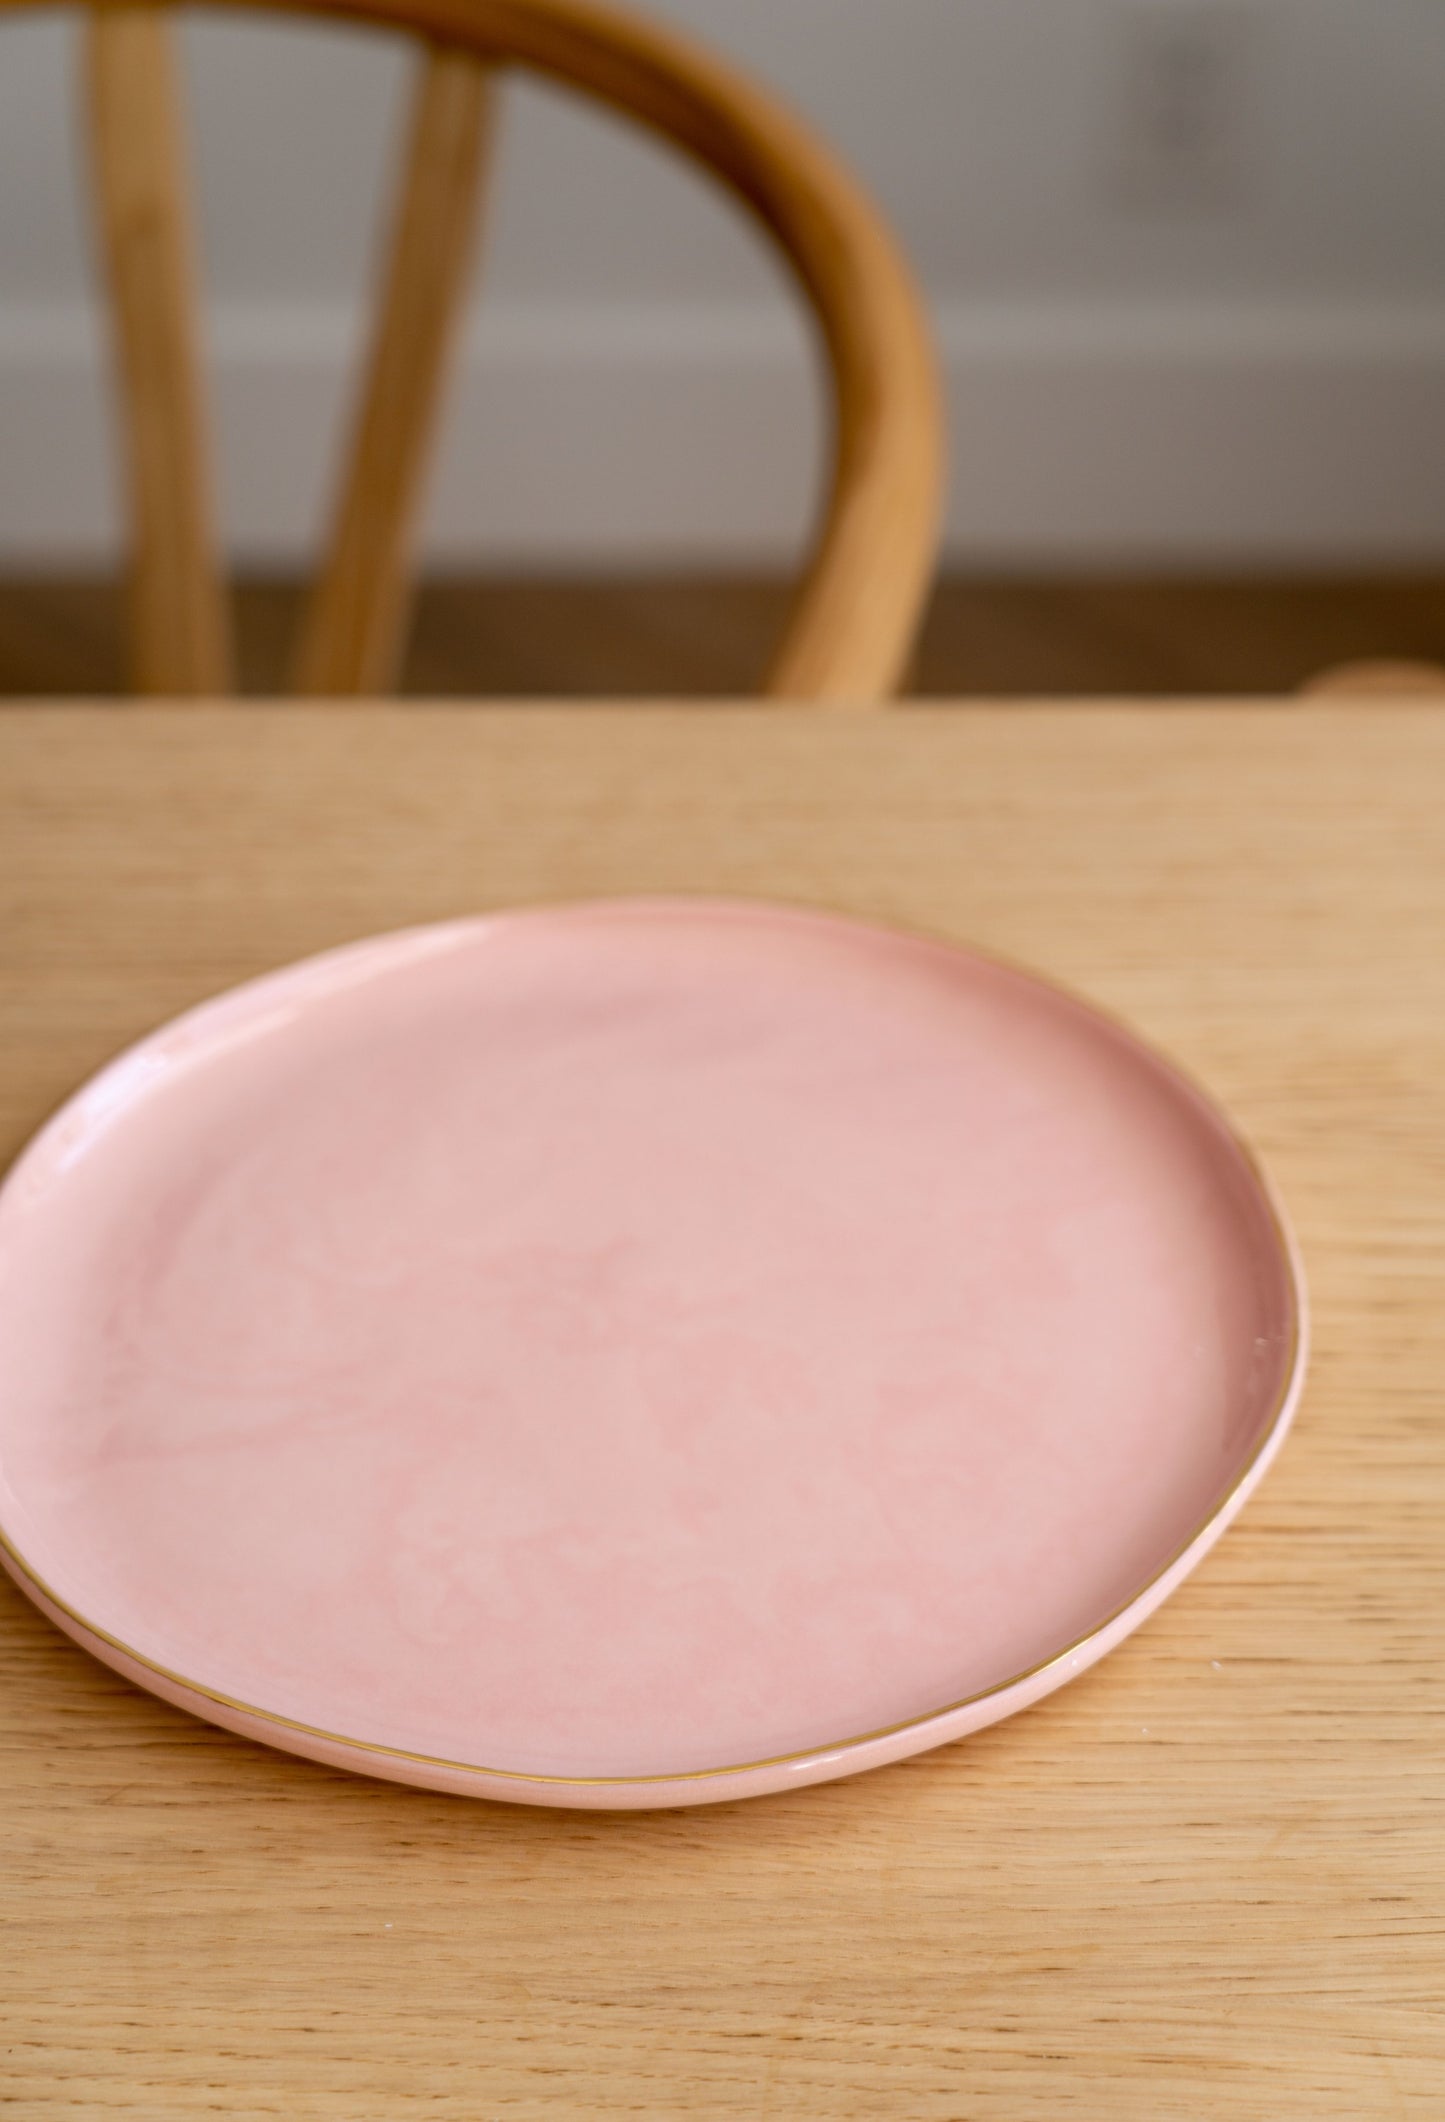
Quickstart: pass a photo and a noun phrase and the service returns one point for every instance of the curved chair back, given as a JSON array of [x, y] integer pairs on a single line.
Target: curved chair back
[[862, 591]]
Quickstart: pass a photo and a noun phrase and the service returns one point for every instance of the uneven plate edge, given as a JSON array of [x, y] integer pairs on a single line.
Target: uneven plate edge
[[813, 1764]]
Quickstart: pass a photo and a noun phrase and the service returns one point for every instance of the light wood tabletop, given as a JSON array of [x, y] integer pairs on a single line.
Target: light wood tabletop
[[1205, 1881]]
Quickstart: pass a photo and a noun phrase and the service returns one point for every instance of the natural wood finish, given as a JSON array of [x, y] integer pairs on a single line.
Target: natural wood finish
[[1203, 1884], [1379, 680], [852, 628], [353, 635], [863, 589], [179, 623]]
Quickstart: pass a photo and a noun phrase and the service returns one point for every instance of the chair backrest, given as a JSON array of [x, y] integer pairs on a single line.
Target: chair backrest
[[853, 622]]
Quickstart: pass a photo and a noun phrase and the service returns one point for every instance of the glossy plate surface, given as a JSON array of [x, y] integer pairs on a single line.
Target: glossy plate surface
[[630, 1354]]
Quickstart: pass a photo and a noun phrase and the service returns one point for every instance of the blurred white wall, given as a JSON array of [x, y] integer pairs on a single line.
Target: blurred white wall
[[1186, 260]]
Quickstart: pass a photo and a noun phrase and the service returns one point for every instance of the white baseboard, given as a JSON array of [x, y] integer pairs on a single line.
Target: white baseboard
[[647, 436]]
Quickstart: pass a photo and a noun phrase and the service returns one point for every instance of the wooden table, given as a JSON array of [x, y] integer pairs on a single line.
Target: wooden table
[[1205, 1881]]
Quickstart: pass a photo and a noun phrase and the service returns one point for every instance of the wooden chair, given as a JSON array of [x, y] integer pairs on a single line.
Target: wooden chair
[[858, 605], [1382, 680]]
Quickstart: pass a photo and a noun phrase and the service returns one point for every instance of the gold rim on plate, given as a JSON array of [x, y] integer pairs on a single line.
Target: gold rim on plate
[[1292, 1381]]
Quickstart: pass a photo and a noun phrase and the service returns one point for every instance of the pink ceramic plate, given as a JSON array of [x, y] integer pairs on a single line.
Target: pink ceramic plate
[[631, 1354]]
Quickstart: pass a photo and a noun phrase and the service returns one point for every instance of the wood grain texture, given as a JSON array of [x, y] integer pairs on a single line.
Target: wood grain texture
[[179, 625], [1204, 1883], [352, 639]]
